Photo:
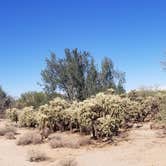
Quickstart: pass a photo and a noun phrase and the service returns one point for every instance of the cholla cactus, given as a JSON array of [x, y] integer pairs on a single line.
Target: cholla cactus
[[51, 115], [27, 117], [107, 126], [101, 115], [12, 114]]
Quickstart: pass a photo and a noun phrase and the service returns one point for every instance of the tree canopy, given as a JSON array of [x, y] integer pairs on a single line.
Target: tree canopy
[[5, 100], [77, 76]]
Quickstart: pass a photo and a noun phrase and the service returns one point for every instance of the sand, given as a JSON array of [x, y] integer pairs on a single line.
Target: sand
[[144, 147]]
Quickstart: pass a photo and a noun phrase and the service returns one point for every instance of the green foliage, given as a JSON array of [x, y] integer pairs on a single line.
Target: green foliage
[[5, 100], [77, 76], [34, 99]]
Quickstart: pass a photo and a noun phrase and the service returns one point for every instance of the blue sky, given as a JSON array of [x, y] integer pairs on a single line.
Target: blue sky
[[131, 32]]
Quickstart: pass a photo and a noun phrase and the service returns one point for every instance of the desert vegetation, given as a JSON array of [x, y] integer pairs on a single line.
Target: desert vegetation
[[80, 106], [36, 156], [101, 116], [29, 138]]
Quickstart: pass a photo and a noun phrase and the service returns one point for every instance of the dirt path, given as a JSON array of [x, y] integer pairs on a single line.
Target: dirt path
[[144, 148]]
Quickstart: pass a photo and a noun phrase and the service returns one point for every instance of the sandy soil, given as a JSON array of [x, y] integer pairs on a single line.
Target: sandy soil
[[145, 147]]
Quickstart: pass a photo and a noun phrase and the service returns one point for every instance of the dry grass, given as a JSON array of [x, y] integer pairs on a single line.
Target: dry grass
[[60, 141], [67, 162], [36, 156], [30, 138], [84, 141], [6, 129], [45, 133], [10, 135]]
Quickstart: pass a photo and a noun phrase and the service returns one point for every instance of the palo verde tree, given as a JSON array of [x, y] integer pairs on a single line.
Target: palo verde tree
[[5, 100], [77, 76]]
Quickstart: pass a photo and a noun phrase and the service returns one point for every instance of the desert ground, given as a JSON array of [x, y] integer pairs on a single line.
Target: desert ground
[[142, 147]]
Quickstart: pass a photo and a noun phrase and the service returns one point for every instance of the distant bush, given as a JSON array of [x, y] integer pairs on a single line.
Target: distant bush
[[36, 156], [67, 162], [6, 129], [10, 135], [33, 98], [29, 138], [59, 141]]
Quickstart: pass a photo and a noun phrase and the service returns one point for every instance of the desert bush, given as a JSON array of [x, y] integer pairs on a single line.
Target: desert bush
[[45, 132], [10, 135], [83, 141], [12, 114], [56, 143], [100, 116], [67, 162], [29, 138], [32, 98], [6, 129], [27, 117], [36, 156], [59, 141]]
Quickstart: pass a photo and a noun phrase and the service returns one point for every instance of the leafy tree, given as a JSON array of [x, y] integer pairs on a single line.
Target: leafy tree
[[77, 77], [67, 74], [92, 80], [107, 74], [5, 100], [120, 76]]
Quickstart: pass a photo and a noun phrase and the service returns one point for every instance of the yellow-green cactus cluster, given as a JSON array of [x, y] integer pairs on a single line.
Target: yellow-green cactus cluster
[[51, 115], [27, 117], [101, 115], [12, 114]]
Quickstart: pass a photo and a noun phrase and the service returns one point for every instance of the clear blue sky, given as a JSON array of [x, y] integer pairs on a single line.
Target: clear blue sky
[[131, 32]]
